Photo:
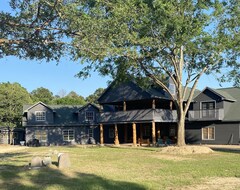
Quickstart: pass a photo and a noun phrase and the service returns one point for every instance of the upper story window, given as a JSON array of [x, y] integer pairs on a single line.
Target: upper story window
[[208, 109], [40, 115], [89, 115]]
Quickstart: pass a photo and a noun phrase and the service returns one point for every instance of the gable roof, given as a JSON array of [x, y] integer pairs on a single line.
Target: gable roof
[[26, 108], [232, 113], [89, 104], [223, 94], [129, 91]]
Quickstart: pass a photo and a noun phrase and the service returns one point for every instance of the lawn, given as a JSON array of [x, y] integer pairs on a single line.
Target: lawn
[[117, 168]]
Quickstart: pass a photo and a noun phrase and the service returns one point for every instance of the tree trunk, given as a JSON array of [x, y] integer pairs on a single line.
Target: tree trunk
[[181, 129]]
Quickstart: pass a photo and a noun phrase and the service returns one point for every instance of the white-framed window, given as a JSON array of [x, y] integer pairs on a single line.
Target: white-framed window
[[41, 135], [208, 133], [68, 135], [40, 115], [89, 115], [111, 133], [208, 109], [90, 132]]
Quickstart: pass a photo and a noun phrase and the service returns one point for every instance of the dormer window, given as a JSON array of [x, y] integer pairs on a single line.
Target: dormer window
[[172, 89], [40, 115], [89, 115]]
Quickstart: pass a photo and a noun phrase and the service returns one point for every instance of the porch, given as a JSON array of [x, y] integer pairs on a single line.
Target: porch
[[138, 134]]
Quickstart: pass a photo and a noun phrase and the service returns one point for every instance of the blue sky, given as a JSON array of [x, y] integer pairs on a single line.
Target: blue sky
[[34, 74]]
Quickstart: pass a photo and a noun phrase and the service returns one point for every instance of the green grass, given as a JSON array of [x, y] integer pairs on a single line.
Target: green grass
[[115, 168]]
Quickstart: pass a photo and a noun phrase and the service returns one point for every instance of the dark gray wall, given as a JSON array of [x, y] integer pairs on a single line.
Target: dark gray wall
[[39, 107], [223, 133], [55, 134], [205, 96]]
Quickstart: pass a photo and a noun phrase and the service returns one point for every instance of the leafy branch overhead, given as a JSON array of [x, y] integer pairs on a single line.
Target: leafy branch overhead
[[138, 38]]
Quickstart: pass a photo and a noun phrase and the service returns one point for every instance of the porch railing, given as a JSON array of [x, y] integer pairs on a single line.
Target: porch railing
[[206, 115], [158, 115]]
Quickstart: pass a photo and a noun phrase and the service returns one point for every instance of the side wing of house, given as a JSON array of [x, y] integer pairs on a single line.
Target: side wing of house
[[209, 122]]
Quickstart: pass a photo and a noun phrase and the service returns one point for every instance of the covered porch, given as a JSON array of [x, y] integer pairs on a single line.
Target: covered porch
[[138, 133]]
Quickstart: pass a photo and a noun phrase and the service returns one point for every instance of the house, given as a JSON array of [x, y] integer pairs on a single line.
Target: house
[[215, 117], [131, 114], [11, 135], [59, 125]]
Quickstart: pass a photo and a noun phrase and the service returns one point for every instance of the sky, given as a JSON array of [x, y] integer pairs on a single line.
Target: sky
[[34, 74]]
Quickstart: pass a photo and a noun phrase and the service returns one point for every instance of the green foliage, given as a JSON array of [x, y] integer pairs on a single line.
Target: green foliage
[[33, 30], [12, 98], [94, 97], [71, 99], [42, 94]]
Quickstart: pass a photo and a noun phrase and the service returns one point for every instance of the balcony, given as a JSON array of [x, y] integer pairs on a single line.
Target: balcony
[[206, 115], [158, 115]]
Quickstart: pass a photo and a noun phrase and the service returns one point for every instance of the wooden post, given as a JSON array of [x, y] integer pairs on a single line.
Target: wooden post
[[116, 141], [101, 135], [170, 105], [141, 132], [158, 133], [124, 106], [125, 133], [153, 104], [134, 134], [153, 133]]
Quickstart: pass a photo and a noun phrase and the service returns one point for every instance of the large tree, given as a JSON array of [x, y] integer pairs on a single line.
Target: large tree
[[42, 94], [71, 99], [12, 98], [144, 38], [92, 98], [140, 38]]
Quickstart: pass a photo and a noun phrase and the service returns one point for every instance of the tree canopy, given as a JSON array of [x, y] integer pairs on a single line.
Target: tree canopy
[[71, 99], [12, 98], [139, 38], [42, 94], [94, 97]]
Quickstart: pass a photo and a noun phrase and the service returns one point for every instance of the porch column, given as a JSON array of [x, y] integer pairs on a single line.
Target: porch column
[[124, 106], [170, 105], [141, 133], [101, 135], [158, 133], [134, 134], [116, 141], [125, 133], [153, 104], [153, 133]]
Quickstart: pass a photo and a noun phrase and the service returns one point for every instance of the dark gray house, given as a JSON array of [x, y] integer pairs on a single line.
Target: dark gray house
[[215, 117], [58, 124], [131, 114]]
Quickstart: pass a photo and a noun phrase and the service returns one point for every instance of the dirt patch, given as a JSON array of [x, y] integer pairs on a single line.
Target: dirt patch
[[184, 150], [220, 183], [171, 157], [11, 148]]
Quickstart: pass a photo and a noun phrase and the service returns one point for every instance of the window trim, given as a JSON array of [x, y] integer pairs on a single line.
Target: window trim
[[36, 117], [86, 112], [207, 101], [68, 140], [214, 133], [40, 132]]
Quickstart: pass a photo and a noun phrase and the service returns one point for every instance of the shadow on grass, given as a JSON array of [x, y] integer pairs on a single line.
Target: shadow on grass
[[228, 150], [21, 177]]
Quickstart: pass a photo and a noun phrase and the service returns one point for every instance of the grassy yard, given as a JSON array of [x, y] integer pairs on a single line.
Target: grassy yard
[[116, 168]]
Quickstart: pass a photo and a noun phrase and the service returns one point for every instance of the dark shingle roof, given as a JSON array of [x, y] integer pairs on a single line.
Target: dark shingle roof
[[230, 94]]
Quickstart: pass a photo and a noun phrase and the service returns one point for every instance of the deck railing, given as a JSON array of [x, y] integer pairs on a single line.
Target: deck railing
[[206, 115], [158, 115]]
